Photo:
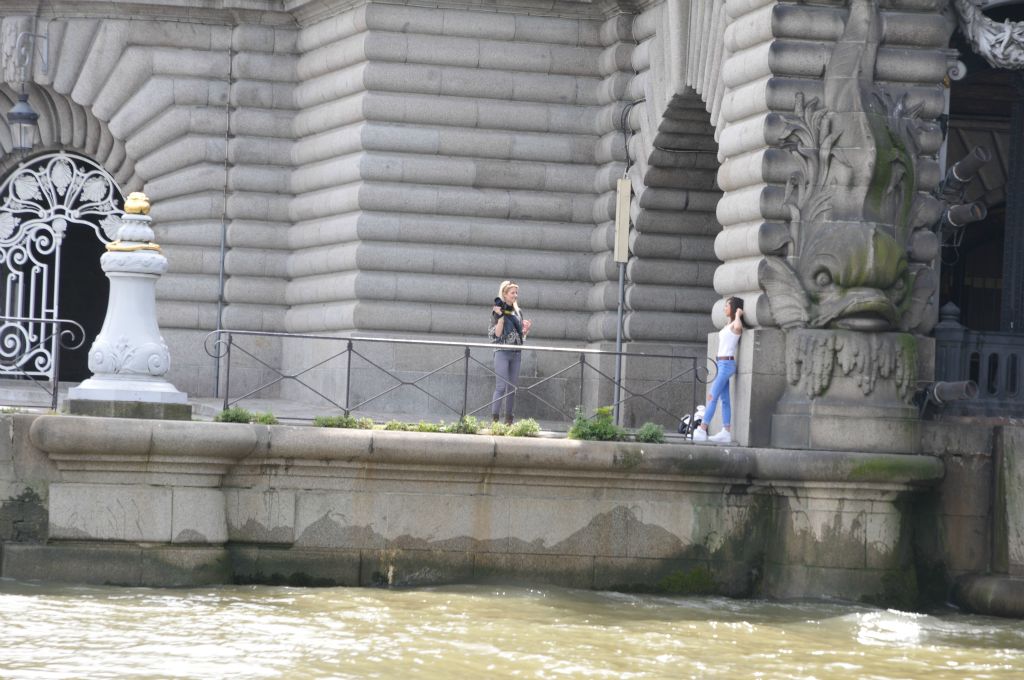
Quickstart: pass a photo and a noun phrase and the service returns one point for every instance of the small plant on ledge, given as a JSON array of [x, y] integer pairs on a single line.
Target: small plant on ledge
[[650, 433], [599, 428], [344, 421], [235, 414], [465, 425]]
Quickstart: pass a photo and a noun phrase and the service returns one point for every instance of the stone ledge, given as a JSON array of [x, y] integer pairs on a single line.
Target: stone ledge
[[91, 449], [91, 444]]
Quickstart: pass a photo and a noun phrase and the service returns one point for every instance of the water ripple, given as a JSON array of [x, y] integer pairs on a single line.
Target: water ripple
[[269, 632]]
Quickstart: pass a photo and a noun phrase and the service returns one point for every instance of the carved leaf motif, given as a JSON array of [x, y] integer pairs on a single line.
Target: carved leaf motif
[[111, 224], [7, 224], [26, 188], [786, 296], [61, 175], [94, 190]]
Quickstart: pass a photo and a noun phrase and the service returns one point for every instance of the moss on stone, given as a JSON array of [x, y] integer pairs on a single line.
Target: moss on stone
[[894, 468], [696, 581]]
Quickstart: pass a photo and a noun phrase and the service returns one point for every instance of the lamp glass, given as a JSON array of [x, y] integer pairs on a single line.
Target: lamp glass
[[23, 122]]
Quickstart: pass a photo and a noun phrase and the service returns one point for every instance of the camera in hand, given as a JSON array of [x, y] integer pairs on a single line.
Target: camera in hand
[[503, 306]]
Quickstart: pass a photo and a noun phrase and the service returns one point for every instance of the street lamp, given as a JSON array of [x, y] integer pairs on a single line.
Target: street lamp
[[24, 122]]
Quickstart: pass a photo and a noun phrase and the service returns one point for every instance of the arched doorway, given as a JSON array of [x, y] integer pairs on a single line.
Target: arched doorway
[[57, 211]]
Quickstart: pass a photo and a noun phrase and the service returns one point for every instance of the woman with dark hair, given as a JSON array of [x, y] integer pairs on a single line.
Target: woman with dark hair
[[728, 344], [508, 328]]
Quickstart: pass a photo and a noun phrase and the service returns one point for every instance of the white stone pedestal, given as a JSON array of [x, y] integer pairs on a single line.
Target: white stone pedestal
[[129, 357]]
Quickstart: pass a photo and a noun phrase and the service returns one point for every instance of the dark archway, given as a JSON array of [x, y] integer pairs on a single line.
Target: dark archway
[[84, 290]]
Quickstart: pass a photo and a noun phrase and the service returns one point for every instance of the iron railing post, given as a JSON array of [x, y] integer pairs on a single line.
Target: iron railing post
[[227, 374], [348, 373], [465, 382], [583, 366], [56, 366], [693, 389]]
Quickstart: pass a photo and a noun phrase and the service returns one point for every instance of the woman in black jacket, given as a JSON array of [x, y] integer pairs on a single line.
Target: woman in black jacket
[[508, 328]]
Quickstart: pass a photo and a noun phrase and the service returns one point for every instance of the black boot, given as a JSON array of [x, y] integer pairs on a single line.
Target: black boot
[[508, 420], [494, 418]]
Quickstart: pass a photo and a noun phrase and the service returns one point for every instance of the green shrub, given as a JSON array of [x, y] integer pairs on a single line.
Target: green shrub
[[396, 425], [235, 414], [267, 418], [335, 421], [527, 427], [499, 429], [465, 425], [343, 421], [650, 433], [424, 426], [599, 428]]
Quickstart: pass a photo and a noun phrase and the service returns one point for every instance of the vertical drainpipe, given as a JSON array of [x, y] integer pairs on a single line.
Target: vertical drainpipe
[[224, 209]]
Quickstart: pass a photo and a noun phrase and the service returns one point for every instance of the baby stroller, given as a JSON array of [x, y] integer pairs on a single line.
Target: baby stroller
[[689, 422]]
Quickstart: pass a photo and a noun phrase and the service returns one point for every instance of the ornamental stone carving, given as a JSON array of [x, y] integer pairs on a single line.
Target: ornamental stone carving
[[859, 253], [1001, 44], [123, 357]]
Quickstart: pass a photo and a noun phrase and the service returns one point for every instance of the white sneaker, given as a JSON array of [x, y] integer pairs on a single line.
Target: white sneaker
[[700, 435], [723, 437]]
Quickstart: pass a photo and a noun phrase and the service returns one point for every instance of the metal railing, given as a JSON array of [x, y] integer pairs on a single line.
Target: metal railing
[[994, 360], [580, 371], [30, 349]]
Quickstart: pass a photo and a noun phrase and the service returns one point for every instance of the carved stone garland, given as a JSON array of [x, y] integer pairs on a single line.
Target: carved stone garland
[[1000, 44]]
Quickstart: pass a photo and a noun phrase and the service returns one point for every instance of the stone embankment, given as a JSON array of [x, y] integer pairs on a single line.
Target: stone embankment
[[160, 503]]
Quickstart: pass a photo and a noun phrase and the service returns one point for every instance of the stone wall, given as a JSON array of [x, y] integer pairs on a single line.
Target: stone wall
[[379, 168], [175, 503]]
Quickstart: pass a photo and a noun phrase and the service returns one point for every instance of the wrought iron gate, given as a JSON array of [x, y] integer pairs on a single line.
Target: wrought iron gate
[[39, 202]]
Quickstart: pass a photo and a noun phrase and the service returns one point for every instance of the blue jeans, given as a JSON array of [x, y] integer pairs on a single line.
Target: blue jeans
[[720, 390], [506, 366]]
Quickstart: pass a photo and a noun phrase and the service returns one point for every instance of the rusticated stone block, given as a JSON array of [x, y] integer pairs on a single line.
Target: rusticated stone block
[[117, 512], [260, 515], [296, 567], [569, 571], [198, 516]]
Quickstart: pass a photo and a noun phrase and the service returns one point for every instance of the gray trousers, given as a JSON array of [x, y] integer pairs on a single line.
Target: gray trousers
[[506, 366]]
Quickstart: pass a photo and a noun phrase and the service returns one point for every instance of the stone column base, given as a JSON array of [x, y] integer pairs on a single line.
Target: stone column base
[[845, 425], [129, 409]]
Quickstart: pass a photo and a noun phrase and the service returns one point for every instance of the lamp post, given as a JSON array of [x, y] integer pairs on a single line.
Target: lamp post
[[24, 122]]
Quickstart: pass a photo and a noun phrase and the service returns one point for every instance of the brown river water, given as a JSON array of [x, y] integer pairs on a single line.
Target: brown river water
[[468, 632]]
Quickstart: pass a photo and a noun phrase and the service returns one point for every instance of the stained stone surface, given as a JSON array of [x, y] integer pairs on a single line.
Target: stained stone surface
[[311, 506]]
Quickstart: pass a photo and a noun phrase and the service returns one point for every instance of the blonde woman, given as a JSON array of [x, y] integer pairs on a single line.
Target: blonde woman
[[509, 329]]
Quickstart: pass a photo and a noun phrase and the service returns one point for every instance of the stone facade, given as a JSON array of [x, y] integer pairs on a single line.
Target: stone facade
[[377, 168]]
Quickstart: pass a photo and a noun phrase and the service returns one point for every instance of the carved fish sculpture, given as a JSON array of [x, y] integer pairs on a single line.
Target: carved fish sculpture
[[848, 266]]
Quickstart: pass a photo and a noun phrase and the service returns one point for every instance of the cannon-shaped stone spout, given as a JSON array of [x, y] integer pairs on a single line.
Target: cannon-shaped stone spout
[[961, 173]]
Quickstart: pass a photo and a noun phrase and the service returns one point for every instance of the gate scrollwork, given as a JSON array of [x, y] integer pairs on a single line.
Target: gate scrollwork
[[39, 201]]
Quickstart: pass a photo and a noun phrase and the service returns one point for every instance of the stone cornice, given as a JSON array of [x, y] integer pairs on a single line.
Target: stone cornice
[[84, 448], [266, 12], [305, 12]]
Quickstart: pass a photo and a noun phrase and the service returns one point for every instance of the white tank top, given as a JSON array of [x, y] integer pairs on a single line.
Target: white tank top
[[728, 342]]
